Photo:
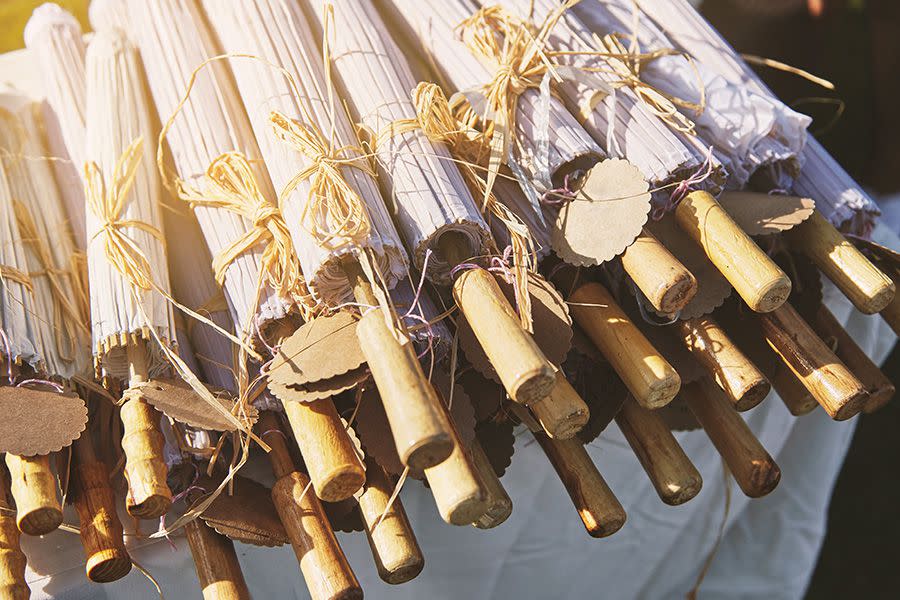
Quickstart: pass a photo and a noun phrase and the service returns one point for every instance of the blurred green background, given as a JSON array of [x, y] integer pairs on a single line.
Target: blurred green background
[[15, 13]]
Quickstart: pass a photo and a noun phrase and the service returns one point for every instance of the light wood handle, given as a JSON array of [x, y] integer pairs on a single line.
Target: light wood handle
[[833, 385], [523, 369], [755, 471], [563, 413], [216, 562], [12, 559], [755, 276], [647, 375], [600, 511], [738, 377], [95, 503], [863, 283], [499, 505], [33, 485], [328, 452], [792, 392], [879, 387], [661, 277], [395, 549], [671, 472], [891, 312]]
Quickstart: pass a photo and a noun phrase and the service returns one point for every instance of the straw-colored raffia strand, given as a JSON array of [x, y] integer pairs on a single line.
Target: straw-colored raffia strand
[[13, 274]]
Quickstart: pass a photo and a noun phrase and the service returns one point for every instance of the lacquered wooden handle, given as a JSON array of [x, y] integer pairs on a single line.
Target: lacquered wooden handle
[[739, 378], [755, 276], [12, 559], [499, 504], [832, 384], [523, 369], [33, 486], [395, 549], [671, 472], [216, 563], [792, 392], [661, 277], [95, 503], [600, 511], [649, 377], [563, 413], [891, 312], [863, 283], [753, 468]]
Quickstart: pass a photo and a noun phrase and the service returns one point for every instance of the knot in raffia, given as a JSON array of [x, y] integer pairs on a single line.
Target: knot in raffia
[[334, 214]]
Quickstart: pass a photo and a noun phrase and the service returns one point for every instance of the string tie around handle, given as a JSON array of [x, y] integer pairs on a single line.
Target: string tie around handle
[[685, 187]]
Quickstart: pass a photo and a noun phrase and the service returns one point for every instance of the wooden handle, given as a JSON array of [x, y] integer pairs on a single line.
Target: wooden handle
[[649, 377], [739, 378], [754, 470], [216, 562], [879, 387], [833, 385], [394, 547], [33, 485], [95, 503], [457, 489], [863, 283], [328, 452], [563, 413], [149, 496], [755, 277], [671, 472], [792, 392], [661, 277], [325, 569], [499, 505], [12, 559], [891, 312], [600, 511]]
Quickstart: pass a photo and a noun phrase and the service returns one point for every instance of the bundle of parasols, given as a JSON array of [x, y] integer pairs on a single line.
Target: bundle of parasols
[[273, 259]]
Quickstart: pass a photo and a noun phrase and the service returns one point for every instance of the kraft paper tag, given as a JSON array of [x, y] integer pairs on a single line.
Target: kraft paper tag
[[39, 421]]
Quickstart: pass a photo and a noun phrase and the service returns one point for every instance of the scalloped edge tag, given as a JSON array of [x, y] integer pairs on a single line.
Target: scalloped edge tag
[[39, 421]]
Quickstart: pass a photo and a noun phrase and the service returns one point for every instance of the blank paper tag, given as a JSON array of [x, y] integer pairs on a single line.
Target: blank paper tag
[[765, 214], [39, 421]]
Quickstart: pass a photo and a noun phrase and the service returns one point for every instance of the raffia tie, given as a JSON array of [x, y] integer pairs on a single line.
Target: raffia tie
[[335, 214], [106, 200], [14, 274]]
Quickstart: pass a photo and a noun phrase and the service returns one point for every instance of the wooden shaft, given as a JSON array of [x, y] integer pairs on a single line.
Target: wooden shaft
[[95, 503], [879, 387], [216, 563], [499, 505], [149, 496], [420, 427], [649, 377], [600, 511], [394, 546], [671, 472], [325, 569], [833, 385], [738, 377], [755, 471], [891, 312], [863, 283], [661, 277], [563, 413], [12, 559], [755, 276], [792, 392], [33, 485]]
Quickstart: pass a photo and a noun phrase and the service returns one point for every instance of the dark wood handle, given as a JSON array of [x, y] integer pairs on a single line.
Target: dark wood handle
[[216, 562]]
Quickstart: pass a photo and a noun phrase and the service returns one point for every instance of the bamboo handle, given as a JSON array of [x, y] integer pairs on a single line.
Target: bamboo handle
[[738, 377], [499, 505], [755, 471], [216, 562], [600, 511], [95, 503], [647, 375], [834, 387], [863, 283], [12, 559], [671, 472], [394, 547], [149, 496], [661, 277], [33, 486], [755, 277], [879, 387], [420, 427], [325, 569], [563, 413]]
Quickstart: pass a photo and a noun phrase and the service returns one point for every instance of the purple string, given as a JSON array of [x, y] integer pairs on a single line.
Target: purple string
[[685, 187], [178, 498], [558, 197]]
